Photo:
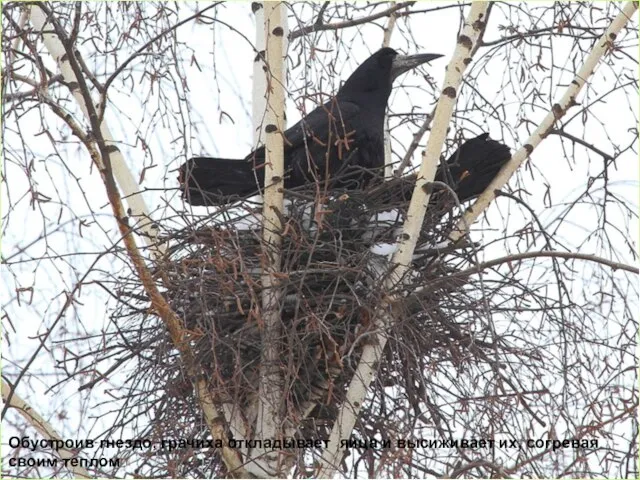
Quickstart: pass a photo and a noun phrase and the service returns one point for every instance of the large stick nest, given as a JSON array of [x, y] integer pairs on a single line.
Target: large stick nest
[[332, 277]]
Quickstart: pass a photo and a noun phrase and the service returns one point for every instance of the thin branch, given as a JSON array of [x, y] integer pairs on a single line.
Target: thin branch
[[551, 254], [15, 96], [319, 27], [406, 160], [323, 9], [138, 52], [434, 9], [72, 77], [553, 30], [579, 141], [61, 314]]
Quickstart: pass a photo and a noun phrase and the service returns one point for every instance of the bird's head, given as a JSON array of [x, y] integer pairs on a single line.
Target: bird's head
[[377, 73]]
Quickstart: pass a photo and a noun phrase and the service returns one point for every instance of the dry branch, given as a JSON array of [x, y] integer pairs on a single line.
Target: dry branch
[[320, 26], [345, 421], [516, 257]]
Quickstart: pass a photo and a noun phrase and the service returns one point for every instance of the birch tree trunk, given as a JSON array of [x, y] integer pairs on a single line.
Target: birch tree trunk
[[269, 420], [371, 353]]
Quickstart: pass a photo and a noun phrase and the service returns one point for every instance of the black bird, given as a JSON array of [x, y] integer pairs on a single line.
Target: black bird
[[341, 141], [468, 172], [471, 168]]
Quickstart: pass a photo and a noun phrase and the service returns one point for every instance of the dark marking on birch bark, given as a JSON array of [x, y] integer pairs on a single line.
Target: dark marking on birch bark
[[449, 92], [466, 41], [478, 25], [557, 110]]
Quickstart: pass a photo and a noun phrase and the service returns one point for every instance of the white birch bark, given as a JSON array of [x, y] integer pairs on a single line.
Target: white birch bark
[[558, 110], [386, 41], [270, 395], [259, 98], [137, 212], [43, 427], [371, 353], [137, 207]]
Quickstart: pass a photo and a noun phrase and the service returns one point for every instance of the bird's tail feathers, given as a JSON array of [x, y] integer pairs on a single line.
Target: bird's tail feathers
[[212, 181]]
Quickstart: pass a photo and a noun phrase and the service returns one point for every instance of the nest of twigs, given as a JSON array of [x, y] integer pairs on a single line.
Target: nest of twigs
[[334, 261]]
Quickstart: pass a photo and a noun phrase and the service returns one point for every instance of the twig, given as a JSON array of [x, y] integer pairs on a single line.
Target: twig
[[552, 30], [406, 160], [124, 64], [348, 23], [434, 9], [551, 254], [41, 425], [11, 97], [579, 141], [137, 207]]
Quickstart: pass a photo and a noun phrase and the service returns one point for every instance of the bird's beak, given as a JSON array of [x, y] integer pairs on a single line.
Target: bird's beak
[[404, 63]]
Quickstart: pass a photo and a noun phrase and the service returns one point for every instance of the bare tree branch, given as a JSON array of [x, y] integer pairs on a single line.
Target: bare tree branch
[[144, 47], [319, 27], [516, 257], [138, 209], [579, 141]]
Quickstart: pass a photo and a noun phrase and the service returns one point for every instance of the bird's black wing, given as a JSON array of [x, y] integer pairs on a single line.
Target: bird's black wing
[[330, 119], [213, 181], [324, 133]]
